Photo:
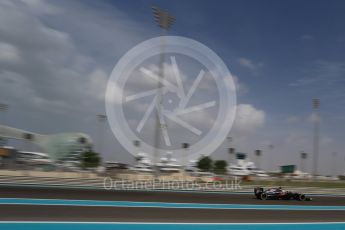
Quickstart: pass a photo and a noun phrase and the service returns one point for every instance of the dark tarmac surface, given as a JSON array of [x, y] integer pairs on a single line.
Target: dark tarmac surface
[[104, 214], [156, 196], [135, 214]]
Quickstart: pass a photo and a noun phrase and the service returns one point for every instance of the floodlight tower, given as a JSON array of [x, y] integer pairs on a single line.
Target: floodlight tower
[[231, 151], [304, 156], [164, 20], [101, 119], [185, 146], [3, 109], [316, 121], [258, 154]]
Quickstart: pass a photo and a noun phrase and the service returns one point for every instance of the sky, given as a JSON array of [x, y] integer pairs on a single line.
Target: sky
[[56, 58]]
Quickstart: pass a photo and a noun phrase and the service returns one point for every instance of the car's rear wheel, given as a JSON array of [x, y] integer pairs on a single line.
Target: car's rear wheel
[[263, 196], [301, 197]]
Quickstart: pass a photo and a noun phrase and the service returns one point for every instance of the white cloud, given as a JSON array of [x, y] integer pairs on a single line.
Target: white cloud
[[202, 119], [116, 92], [97, 80], [50, 63], [247, 63], [241, 88], [307, 37], [248, 119], [8, 53], [41, 6]]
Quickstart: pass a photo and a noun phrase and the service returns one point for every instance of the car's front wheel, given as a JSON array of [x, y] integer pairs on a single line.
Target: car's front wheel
[[263, 196], [301, 197]]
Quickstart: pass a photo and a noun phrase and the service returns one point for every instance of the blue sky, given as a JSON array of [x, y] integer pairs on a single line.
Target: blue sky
[[284, 41], [283, 54]]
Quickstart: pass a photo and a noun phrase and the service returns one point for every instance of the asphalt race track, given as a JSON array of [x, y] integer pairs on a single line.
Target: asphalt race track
[[156, 196], [27, 212], [103, 214]]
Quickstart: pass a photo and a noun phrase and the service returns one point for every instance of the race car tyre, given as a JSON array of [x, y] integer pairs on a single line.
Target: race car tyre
[[301, 197], [263, 196]]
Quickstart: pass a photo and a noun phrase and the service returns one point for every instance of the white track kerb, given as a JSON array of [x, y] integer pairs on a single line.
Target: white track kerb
[[117, 95]]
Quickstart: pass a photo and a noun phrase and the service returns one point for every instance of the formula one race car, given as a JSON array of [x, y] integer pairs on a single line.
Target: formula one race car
[[279, 194]]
